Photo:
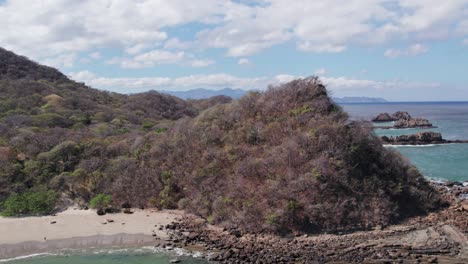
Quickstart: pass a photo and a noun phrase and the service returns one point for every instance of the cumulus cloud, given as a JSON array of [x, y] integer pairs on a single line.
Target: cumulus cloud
[[45, 30], [201, 63], [56, 31], [211, 81], [95, 55], [223, 80], [243, 61], [159, 57], [320, 72], [411, 51]]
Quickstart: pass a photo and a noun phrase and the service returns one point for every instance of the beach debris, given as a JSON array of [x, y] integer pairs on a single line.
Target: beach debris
[[101, 212], [127, 211], [176, 260], [53, 222], [110, 220]]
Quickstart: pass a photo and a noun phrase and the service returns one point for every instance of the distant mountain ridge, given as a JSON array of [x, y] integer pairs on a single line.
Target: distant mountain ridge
[[202, 93]]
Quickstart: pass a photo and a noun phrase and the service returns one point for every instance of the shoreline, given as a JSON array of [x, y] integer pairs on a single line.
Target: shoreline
[[82, 229], [27, 249], [440, 236]]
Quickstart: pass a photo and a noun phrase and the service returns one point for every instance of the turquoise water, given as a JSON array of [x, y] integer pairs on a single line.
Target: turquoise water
[[439, 162], [121, 256]]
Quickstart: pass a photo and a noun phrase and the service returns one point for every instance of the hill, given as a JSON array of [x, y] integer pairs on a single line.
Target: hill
[[283, 160]]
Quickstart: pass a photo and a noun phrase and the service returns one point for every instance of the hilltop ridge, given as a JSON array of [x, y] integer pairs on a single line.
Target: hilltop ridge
[[284, 160]]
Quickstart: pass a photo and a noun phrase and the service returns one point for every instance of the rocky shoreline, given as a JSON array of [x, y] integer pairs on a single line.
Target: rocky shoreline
[[440, 237], [421, 138]]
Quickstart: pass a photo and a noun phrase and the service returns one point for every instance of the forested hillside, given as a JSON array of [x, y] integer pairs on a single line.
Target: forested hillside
[[281, 160]]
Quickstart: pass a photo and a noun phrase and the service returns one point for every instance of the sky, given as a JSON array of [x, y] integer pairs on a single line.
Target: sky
[[400, 50]]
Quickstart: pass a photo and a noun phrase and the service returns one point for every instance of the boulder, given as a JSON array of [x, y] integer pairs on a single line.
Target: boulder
[[383, 117], [101, 211], [415, 122], [429, 137], [401, 116]]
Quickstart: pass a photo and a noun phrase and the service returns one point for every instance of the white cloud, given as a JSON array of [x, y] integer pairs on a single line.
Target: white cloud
[[201, 63], [320, 72], [411, 51], [175, 43], [343, 83], [213, 81], [95, 55], [243, 61], [66, 60], [45, 30], [51, 30], [334, 25], [337, 85], [160, 57]]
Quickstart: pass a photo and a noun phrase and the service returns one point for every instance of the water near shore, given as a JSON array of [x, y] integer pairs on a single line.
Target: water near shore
[[109, 256], [439, 162]]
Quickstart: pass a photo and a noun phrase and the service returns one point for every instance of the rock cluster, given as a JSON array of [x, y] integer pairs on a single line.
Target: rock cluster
[[421, 138], [437, 237], [414, 122], [402, 120], [386, 117]]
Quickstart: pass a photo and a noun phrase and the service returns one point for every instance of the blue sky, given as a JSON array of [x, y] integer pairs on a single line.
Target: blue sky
[[403, 50]]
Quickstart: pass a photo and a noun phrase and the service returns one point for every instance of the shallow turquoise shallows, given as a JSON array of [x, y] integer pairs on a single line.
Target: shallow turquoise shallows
[[440, 162], [122, 256]]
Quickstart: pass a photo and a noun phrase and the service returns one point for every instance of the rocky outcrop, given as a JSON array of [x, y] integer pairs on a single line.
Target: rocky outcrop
[[386, 117], [421, 138], [411, 123], [401, 116], [383, 117], [439, 237], [402, 120]]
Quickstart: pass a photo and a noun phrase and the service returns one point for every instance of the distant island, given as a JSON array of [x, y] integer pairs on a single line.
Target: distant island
[[358, 99]]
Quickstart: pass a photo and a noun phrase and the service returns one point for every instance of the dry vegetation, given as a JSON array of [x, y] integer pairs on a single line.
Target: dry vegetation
[[283, 160]]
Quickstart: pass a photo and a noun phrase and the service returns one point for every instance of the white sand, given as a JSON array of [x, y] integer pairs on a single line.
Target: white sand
[[83, 223]]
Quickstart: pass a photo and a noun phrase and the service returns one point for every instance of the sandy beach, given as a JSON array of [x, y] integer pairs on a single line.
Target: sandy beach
[[80, 229]]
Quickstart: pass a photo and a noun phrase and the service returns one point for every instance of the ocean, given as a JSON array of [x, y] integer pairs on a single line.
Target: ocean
[[438, 162], [145, 255]]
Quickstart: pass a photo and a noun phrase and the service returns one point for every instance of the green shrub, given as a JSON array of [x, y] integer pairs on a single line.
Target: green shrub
[[51, 120], [100, 201], [30, 203]]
